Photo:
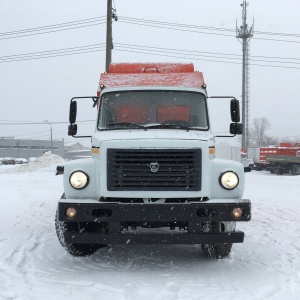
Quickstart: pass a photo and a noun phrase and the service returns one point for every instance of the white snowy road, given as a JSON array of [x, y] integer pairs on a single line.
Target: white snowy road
[[33, 265]]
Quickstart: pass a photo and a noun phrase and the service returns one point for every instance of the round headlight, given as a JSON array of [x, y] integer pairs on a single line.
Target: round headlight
[[229, 180], [79, 180]]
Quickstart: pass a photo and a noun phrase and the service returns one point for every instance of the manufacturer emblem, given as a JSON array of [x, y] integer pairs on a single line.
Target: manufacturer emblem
[[154, 167]]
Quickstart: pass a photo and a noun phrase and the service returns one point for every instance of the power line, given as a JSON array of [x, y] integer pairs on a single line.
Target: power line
[[158, 51], [52, 28], [172, 26], [205, 27], [211, 60], [277, 33], [274, 40], [53, 53], [57, 51], [204, 54], [31, 134], [176, 24], [155, 49], [137, 21], [39, 123]]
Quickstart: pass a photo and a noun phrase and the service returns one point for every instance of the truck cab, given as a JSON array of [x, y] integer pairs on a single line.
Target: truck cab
[[153, 177]]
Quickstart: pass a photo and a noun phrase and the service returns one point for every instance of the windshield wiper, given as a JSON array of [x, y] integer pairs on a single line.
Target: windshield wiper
[[169, 126], [124, 125]]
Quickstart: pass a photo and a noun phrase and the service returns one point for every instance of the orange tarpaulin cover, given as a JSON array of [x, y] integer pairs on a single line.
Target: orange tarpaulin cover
[[132, 114], [172, 112]]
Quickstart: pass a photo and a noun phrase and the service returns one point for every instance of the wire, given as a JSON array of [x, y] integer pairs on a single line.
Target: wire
[[200, 53], [276, 33], [158, 51], [177, 29], [136, 21], [54, 26], [214, 53], [50, 28], [93, 46], [168, 25], [32, 133], [206, 27], [100, 20], [57, 51], [50, 51], [211, 60], [41, 123], [53, 53], [286, 41]]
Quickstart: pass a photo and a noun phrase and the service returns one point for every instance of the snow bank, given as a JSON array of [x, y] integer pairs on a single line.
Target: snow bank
[[46, 161]]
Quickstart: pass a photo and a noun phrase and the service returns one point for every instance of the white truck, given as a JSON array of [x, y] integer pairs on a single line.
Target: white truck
[[153, 177]]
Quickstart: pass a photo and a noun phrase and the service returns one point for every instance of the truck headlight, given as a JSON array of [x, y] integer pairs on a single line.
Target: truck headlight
[[229, 180], [79, 180]]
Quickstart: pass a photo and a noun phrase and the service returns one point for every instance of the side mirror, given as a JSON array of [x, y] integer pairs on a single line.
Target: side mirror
[[236, 128], [73, 112], [235, 110], [60, 170], [72, 130], [247, 169]]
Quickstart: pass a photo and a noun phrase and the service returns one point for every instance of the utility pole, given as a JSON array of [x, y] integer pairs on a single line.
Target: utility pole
[[111, 14], [245, 34], [108, 34], [46, 121]]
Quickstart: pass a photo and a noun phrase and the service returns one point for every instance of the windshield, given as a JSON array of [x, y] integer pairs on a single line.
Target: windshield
[[153, 109]]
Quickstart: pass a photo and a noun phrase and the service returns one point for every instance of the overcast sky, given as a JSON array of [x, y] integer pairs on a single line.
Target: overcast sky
[[34, 90]]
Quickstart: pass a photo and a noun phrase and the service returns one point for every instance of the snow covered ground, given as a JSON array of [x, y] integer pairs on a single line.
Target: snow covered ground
[[33, 265]]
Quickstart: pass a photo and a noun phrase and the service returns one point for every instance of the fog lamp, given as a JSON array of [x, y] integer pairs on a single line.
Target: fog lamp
[[71, 212], [237, 212]]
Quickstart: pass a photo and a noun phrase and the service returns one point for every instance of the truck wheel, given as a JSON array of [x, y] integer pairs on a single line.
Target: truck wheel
[[296, 170], [216, 250], [279, 171], [73, 249]]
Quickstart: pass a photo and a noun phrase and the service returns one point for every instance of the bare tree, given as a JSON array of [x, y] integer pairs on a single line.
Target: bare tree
[[271, 140], [258, 131]]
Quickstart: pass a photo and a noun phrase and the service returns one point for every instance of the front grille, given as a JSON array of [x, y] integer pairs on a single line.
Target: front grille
[[153, 169]]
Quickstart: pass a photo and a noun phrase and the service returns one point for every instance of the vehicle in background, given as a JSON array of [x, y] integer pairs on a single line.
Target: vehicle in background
[[247, 162], [20, 161], [8, 161], [282, 159]]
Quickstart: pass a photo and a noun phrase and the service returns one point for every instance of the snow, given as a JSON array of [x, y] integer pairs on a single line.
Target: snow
[[34, 266]]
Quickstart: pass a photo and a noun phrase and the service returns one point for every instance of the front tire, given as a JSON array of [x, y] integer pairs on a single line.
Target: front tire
[[217, 251], [221, 250], [73, 249], [280, 171], [296, 170]]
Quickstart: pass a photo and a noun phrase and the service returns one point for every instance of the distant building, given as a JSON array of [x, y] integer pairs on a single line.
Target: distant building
[[10, 147], [77, 151]]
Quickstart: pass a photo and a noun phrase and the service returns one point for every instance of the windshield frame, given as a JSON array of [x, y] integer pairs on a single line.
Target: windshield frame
[[156, 89]]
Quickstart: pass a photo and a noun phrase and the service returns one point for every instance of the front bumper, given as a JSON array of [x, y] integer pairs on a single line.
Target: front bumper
[[108, 223]]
